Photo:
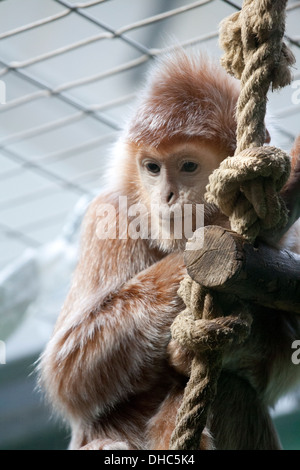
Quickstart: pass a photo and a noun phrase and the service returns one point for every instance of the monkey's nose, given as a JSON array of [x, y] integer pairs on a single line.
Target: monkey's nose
[[170, 197]]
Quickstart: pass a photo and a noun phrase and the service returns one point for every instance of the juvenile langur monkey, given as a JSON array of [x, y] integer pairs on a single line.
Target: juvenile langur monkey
[[109, 368]]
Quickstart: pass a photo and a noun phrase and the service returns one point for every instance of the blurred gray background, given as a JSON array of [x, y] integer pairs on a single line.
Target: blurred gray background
[[69, 72]]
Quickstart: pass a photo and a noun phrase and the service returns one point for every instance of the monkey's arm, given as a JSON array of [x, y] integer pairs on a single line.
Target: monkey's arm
[[291, 196], [291, 191], [113, 331]]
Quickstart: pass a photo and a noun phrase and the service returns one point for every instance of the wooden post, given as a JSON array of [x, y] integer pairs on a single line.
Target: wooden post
[[260, 274]]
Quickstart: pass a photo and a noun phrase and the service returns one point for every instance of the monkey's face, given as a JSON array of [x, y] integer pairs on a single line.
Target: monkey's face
[[173, 180], [177, 174]]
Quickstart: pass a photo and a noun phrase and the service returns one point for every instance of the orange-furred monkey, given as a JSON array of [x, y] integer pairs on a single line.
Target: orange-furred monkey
[[108, 368]]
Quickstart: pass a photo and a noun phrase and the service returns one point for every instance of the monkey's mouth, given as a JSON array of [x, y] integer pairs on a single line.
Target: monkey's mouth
[[170, 218], [172, 213], [167, 216]]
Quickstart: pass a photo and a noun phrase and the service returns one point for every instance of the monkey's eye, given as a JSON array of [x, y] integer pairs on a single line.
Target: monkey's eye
[[153, 167], [189, 167]]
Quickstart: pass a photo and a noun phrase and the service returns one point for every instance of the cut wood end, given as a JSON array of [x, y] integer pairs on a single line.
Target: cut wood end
[[213, 256]]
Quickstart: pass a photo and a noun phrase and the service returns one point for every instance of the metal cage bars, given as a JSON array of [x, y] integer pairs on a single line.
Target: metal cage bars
[[44, 90]]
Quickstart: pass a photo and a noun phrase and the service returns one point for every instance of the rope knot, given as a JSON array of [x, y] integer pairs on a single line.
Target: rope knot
[[253, 35], [246, 189], [202, 326]]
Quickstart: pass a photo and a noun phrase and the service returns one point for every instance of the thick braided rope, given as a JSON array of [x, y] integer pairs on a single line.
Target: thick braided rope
[[255, 53], [246, 188], [202, 328]]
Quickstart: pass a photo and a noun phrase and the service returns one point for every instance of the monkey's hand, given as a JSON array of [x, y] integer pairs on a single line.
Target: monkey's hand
[[179, 358], [290, 193]]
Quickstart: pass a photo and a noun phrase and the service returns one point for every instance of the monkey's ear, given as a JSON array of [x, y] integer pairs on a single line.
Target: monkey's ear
[[268, 137]]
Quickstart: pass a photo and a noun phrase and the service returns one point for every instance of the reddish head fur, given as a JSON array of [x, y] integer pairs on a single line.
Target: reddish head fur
[[187, 96]]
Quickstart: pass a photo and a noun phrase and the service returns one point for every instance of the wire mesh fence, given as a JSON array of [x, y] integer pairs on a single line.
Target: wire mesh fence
[[69, 73]]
